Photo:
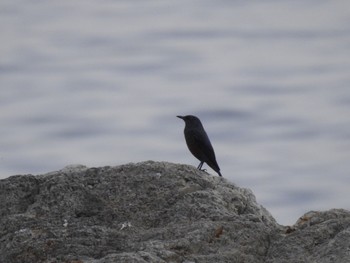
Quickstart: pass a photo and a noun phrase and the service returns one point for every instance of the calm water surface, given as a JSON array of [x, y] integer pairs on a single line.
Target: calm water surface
[[100, 83]]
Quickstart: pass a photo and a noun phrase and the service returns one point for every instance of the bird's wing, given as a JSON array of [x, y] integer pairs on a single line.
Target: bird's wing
[[203, 143]]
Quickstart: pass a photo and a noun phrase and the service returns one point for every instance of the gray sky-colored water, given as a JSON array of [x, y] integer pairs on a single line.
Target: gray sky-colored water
[[100, 83]]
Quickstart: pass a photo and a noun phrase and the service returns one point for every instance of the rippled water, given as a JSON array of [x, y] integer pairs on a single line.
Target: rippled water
[[100, 83]]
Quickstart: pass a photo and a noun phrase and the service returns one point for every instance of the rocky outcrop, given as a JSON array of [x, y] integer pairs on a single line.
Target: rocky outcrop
[[155, 212]]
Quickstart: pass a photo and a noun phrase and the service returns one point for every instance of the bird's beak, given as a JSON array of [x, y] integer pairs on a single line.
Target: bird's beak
[[181, 117]]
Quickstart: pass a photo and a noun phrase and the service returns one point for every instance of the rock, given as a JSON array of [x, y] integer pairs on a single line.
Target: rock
[[154, 212], [316, 237]]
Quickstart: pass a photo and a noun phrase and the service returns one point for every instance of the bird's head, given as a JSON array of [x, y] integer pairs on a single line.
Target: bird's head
[[191, 120]]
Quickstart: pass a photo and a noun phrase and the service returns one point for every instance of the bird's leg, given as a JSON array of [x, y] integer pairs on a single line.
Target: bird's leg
[[200, 167]]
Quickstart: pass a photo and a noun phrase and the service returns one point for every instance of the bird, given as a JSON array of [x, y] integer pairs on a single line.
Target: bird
[[198, 142]]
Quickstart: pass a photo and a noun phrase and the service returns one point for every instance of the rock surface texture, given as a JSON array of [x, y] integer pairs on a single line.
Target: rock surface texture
[[155, 212]]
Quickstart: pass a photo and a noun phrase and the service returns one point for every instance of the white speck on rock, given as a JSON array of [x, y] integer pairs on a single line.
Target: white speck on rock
[[125, 225]]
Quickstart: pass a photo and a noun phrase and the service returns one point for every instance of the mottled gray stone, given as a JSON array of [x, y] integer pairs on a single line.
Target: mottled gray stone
[[154, 212]]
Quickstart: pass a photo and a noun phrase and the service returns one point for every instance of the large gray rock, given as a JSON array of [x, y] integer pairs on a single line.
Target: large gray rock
[[154, 212]]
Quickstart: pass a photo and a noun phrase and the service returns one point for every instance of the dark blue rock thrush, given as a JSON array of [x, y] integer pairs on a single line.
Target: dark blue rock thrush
[[198, 142]]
